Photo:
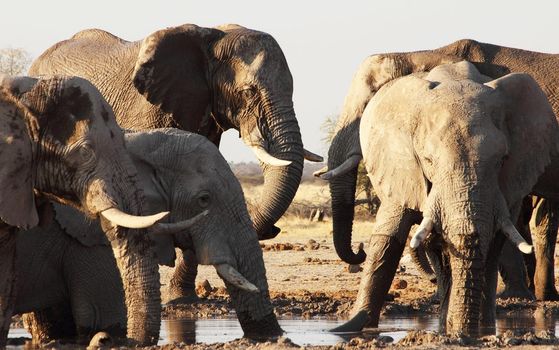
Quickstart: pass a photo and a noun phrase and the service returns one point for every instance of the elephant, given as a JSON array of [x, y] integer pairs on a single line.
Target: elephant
[[60, 141], [375, 71], [203, 80], [185, 172], [73, 282], [456, 153]]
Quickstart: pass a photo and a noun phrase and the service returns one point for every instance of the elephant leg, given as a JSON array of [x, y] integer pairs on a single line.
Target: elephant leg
[[513, 272], [385, 250], [49, 324], [7, 281], [96, 292], [544, 225], [183, 283]]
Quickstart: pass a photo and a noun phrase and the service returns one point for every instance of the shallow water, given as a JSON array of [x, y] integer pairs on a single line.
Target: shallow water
[[315, 331]]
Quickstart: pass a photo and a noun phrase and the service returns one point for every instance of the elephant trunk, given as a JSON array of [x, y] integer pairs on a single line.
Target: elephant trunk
[[137, 264], [342, 189], [280, 182], [468, 235], [254, 310]]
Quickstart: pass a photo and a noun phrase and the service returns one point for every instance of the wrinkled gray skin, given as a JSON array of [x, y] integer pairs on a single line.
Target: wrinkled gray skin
[[491, 60], [186, 172], [204, 80], [76, 277], [451, 146], [60, 140]]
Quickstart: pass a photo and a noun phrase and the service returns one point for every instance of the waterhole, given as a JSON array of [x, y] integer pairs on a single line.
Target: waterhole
[[315, 331]]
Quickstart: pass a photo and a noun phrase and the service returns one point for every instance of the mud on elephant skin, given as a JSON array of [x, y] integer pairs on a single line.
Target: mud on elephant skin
[[209, 216], [458, 150], [203, 80], [491, 60], [60, 140]]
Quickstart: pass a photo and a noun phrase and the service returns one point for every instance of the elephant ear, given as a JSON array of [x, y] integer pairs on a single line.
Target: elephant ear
[[17, 134], [388, 149], [86, 231], [172, 68], [532, 131]]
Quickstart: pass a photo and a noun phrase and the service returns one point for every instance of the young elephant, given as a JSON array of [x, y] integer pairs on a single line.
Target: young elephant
[[186, 172], [59, 138], [462, 152]]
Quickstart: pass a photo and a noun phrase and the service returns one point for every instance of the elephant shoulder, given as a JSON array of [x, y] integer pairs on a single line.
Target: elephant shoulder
[[76, 225]]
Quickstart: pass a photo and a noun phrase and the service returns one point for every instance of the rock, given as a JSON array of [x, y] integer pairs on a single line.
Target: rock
[[399, 284], [354, 268], [204, 288], [312, 245]]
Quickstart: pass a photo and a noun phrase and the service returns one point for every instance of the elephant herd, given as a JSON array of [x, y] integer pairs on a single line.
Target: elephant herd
[[109, 163]]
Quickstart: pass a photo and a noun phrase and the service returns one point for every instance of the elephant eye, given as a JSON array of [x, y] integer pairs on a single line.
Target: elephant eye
[[204, 199], [86, 152], [248, 92]]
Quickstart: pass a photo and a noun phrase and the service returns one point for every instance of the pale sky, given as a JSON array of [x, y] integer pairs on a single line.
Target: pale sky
[[323, 41]]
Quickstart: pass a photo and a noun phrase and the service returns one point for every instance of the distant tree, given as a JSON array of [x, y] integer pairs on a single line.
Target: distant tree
[[328, 127], [14, 61]]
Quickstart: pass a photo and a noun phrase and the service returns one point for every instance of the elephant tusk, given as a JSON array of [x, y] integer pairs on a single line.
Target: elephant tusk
[[350, 164], [267, 158], [423, 230], [319, 172], [176, 227], [120, 218], [229, 274], [312, 157], [515, 237]]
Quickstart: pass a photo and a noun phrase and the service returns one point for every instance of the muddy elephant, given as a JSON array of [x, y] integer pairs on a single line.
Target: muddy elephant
[[456, 152], [60, 140], [209, 216], [345, 153]]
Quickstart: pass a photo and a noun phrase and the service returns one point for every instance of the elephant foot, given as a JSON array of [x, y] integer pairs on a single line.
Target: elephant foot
[[355, 324], [522, 293], [183, 297]]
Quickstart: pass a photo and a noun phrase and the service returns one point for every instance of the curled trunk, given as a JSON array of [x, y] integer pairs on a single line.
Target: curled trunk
[[420, 259], [280, 182], [342, 189]]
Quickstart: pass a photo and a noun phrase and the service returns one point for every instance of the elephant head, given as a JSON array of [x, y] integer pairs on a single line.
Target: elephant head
[[344, 153], [65, 145], [230, 77], [463, 151], [186, 172]]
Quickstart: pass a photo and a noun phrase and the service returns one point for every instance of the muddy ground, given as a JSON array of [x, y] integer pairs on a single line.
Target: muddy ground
[[307, 280]]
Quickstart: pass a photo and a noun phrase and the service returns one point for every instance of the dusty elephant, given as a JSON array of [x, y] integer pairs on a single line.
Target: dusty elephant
[[200, 185], [345, 153], [462, 152], [60, 140]]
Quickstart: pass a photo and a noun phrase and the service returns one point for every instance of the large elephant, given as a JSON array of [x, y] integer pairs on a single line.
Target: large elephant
[[462, 152], [199, 184], [60, 140], [204, 80], [345, 153]]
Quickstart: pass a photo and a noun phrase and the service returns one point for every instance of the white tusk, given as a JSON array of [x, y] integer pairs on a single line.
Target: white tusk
[[120, 218], [267, 158], [515, 237], [311, 157], [351, 163], [320, 171], [228, 273], [175, 227], [423, 230]]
